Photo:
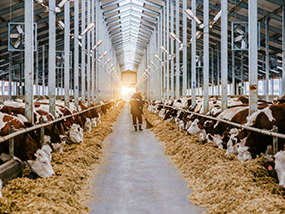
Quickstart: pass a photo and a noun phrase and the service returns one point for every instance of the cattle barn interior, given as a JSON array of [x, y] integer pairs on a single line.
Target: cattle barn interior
[[204, 78]]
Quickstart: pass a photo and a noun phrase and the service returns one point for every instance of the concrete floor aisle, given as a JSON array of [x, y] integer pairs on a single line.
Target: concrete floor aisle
[[138, 178]]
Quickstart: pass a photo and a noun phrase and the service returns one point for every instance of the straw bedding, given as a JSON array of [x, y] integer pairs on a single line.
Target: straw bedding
[[219, 181], [65, 192]]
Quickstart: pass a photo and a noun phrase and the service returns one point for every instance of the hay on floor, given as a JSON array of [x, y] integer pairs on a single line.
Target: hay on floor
[[64, 192], [219, 181]]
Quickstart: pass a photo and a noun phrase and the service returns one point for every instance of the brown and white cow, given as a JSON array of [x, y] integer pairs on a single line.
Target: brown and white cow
[[27, 146], [56, 131], [280, 168], [266, 118]]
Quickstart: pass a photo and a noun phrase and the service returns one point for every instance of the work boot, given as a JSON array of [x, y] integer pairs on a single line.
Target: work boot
[[135, 127], [140, 127]]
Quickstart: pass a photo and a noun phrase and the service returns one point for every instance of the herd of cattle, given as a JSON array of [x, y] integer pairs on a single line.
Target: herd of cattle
[[241, 142], [28, 147]]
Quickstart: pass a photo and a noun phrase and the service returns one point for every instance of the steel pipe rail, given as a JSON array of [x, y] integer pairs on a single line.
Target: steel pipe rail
[[25, 130], [261, 131]]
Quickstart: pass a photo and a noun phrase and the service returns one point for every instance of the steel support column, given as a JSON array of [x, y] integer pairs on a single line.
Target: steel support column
[[266, 59], [193, 55], [92, 55], [61, 78], [10, 76], [43, 70], [51, 58], [159, 54], [76, 53], [66, 53], [172, 50], [21, 74], [206, 55], [83, 58], [218, 69], [283, 51], [97, 51], [241, 72], [147, 63], [167, 47], [29, 58], [88, 54], [252, 26], [233, 73], [184, 78], [164, 54], [177, 50], [57, 79], [37, 72], [213, 82], [224, 53]]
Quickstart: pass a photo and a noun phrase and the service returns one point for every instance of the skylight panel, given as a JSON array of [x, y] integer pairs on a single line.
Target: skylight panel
[[125, 15], [130, 26], [137, 15], [136, 9], [124, 9], [124, 2], [137, 2]]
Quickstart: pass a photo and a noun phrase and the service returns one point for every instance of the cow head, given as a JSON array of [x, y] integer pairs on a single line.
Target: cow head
[[243, 153], [203, 135], [230, 140], [269, 164], [195, 128], [232, 148], [188, 123], [181, 125], [94, 122], [208, 126], [88, 125], [46, 148], [217, 139], [280, 168], [47, 139], [162, 113], [41, 165], [58, 147], [76, 133]]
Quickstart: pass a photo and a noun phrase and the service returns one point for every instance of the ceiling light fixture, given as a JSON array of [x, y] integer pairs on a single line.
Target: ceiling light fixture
[[190, 15], [88, 28], [97, 45], [174, 37]]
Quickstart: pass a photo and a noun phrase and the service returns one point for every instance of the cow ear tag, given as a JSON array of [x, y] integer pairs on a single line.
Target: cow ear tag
[[269, 168]]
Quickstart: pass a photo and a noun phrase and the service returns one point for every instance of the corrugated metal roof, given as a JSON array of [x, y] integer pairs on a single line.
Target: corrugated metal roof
[[131, 23]]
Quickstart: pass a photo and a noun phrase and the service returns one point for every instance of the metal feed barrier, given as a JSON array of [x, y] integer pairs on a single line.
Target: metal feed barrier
[[274, 133], [13, 134]]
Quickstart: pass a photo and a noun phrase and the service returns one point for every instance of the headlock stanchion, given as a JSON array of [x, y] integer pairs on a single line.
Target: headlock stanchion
[[41, 126], [274, 133], [11, 144]]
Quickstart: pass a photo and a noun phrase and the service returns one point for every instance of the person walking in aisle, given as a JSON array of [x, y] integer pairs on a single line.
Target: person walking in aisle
[[136, 110]]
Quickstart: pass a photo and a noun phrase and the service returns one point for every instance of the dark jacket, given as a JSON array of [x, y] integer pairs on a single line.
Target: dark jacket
[[136, 104]]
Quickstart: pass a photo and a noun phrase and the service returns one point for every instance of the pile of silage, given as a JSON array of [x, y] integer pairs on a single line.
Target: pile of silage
[[219, 181], [66, 191]]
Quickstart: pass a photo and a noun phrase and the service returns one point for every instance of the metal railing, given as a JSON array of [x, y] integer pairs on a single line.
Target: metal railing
[[273, 133], [41, 126]]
